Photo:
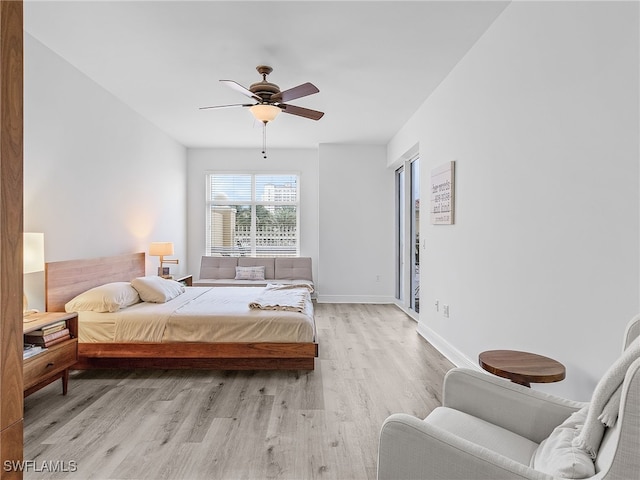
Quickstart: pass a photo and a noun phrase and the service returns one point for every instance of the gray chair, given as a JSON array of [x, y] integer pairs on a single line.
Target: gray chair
[[490, 428]]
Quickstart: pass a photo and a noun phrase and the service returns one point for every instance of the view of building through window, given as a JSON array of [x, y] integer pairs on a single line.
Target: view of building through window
[[252, 214]]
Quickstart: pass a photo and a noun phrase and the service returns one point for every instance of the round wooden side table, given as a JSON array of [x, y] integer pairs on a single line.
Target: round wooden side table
[[522, 367]]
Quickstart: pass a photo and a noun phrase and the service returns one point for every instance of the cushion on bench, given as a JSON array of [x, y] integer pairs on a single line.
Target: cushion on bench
[[267, 263], [291, 268], [218, 267]]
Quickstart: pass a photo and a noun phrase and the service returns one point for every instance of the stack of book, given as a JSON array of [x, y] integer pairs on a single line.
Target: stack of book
[[30, 350], [49, 335]]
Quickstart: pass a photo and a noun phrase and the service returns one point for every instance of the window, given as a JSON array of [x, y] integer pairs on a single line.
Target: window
[[252, 214]]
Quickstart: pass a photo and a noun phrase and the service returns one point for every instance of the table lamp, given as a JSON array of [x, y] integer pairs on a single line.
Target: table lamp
[[32, 262], [160, 249]]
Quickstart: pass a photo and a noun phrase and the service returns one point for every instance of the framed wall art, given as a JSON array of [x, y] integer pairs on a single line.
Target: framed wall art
[[443, 194]]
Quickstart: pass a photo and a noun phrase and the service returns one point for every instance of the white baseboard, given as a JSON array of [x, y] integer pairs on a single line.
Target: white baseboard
[[377, 299], [453, 354], [407, 311]]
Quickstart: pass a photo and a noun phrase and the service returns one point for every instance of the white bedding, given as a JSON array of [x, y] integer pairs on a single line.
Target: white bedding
[[201, 314]]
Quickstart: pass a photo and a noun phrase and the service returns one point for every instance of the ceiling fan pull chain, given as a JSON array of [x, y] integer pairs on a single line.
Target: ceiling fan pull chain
[[264, 139]]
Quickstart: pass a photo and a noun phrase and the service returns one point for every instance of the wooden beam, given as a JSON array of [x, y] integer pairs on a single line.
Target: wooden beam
[[11, 227]]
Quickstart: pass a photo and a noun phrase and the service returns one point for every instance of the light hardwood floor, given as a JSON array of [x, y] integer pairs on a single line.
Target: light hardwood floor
[[243, 425]]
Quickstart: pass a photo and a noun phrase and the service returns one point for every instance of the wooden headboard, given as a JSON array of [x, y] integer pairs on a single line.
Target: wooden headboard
[[64, 280]]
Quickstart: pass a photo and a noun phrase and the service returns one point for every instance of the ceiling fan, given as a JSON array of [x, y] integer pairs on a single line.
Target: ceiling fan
[[270, 100], [268, 94]]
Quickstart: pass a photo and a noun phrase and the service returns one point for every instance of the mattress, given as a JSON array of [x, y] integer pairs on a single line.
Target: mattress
[[201, 314]]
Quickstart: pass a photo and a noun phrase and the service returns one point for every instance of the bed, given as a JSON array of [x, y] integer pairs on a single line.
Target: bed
[[186, 348]]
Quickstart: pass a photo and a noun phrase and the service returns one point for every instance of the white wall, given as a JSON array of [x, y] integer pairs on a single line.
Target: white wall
[[98, 178], [302, 161], [356, 225], [541, 117]]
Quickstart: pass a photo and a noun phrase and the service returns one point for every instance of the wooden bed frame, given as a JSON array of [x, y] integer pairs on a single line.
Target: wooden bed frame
[[64, 280]]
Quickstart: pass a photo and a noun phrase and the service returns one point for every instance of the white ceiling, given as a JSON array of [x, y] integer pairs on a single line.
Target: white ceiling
[[374, 62]]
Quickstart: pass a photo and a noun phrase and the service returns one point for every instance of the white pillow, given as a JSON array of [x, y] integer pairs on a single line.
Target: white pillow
[[156, 289], [109, 297], [556, 456], [250, 273]]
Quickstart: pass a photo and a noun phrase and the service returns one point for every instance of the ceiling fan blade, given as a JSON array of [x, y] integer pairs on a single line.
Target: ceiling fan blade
[[228, 106], [301, 112], [295, 92], [239, 88]]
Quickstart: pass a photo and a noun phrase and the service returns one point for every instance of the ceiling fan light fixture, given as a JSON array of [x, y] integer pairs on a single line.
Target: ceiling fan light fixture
[[265, 112]]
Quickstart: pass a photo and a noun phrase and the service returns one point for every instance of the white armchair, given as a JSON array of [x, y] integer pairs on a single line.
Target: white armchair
[[490, 428]]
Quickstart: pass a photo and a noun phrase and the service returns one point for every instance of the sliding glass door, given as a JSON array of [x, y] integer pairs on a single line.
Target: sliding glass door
[[415, 235], [400, 233], [408, 235]]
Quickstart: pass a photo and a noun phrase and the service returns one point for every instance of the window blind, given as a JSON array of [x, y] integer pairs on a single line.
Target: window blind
[[252, 214]]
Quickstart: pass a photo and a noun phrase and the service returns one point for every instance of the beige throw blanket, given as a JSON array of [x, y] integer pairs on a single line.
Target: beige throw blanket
[[605, 402], [290, 298]]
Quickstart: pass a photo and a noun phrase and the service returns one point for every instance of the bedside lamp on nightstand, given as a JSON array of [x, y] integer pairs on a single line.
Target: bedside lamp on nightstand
[[32, 262], [160, 249]]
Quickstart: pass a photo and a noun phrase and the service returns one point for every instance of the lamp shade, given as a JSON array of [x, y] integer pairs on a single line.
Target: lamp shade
[[265, 113], [33, 255], [160, 249]]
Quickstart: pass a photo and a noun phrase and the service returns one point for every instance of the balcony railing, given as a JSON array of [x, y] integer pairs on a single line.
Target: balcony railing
[[270, 241]]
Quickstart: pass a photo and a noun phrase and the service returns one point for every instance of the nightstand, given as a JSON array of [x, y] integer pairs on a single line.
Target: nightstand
[[186, 280], [54, 362]]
